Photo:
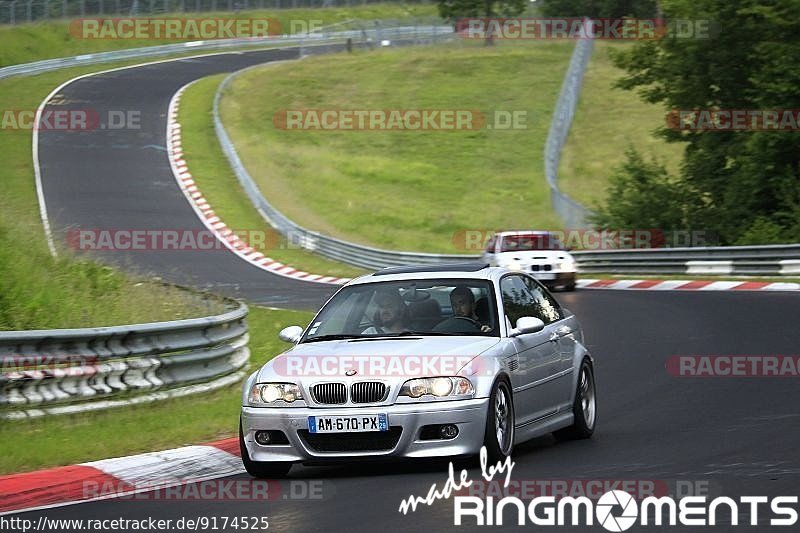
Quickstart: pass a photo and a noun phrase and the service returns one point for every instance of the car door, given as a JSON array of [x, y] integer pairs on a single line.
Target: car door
[[560, 330], [537, 366]]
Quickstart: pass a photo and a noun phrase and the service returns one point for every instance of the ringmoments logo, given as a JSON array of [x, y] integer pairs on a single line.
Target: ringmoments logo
[[617, 510]]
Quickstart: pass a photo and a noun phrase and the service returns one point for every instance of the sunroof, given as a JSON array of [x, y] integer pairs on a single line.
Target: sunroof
[[472, 266]]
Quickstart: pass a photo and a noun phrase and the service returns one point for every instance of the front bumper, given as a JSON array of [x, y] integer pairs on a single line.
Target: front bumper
[[468, 415], [555, 278]]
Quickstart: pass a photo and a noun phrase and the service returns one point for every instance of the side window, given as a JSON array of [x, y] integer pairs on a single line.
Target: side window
[[547, 308], [490, 244], [518, 301]]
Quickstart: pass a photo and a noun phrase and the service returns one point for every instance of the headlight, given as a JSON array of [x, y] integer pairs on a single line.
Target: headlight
[[269, 393], [439, 387], [567, 265]]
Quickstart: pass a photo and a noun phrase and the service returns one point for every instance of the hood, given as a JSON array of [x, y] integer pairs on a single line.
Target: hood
[[395, 358]]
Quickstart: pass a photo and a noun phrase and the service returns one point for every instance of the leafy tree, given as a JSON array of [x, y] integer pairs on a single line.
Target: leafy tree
[[750, 61], [453, 10], [599, 8], [643, 195]]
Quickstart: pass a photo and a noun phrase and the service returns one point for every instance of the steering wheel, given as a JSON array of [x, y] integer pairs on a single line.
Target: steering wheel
[[469, 319], [454, 324]]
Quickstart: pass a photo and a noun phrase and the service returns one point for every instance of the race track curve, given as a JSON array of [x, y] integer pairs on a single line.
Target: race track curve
[[737, 436], [120, 179]]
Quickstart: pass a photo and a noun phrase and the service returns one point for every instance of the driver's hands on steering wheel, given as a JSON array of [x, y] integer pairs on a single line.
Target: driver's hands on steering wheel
[[482, 327]]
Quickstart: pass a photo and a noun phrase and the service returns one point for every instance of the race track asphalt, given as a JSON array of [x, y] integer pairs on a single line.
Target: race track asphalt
[[733, 436], [120, 179]]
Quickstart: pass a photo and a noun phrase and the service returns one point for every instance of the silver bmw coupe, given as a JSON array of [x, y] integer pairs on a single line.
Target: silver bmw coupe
[[421, 361]]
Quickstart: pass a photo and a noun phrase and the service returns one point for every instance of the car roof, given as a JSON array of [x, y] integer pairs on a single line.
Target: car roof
[[473, 266], [473, 270], [523, 232]]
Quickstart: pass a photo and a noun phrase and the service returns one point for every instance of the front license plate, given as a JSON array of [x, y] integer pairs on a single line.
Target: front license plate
[[347, 424]]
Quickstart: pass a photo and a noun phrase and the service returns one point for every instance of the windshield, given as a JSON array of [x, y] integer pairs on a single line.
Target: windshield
[[409, 307], [530, 242]]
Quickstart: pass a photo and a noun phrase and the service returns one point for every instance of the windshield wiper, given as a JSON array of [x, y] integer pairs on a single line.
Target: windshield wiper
[[334, 337], [404, 335], [458, 334]]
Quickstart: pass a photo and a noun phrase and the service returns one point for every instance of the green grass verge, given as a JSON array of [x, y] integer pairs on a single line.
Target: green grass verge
[[213, 175], [607, 122], [63, 440], [407, 190], [43, 40], [38, 291]]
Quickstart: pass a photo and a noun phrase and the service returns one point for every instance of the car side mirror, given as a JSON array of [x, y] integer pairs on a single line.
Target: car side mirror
[[526, 324], [291, 334]]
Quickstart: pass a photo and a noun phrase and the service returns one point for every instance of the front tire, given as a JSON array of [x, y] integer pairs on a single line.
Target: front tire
[[499, 435], [261, 469], [584, 408]]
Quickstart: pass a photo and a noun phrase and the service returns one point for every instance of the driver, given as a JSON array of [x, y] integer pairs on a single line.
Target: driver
[[392, 315], [463, 302]]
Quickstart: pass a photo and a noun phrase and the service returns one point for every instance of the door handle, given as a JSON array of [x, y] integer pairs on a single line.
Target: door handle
[[554, 337]]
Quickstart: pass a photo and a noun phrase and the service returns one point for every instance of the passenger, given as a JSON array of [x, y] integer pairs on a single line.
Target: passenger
[[392, 315], [463, 302]]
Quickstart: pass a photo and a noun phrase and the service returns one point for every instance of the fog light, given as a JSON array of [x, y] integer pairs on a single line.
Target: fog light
[[263, 437], [448, 431]]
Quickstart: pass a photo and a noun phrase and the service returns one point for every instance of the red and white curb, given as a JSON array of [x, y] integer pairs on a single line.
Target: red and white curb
[[67, 485], [685, 285], [210, 219]]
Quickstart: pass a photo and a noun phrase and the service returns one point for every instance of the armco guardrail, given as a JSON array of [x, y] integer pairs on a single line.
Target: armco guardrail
[[339, 250], [22, 11], [366, 32], [769, 260], [571, 212], [74, 370], [763, 260]]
